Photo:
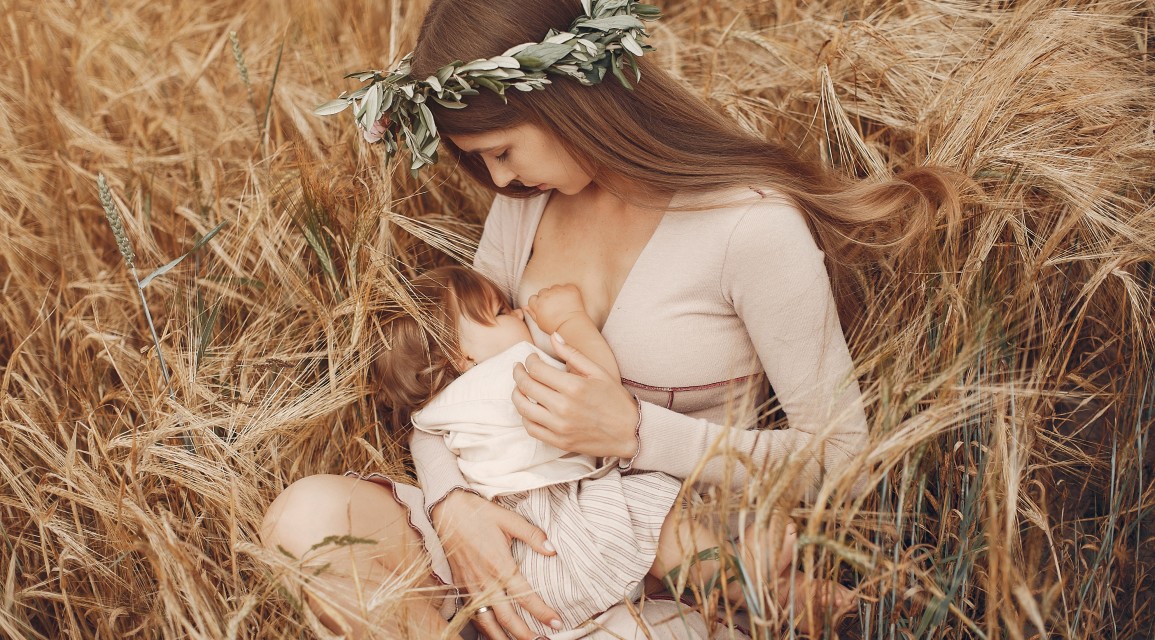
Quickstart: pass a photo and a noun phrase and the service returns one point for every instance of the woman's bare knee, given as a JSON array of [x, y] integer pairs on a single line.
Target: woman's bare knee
[[371, 544], [319, 507]]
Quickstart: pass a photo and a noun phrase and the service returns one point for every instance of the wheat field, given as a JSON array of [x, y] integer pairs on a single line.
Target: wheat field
[[1008, 364]]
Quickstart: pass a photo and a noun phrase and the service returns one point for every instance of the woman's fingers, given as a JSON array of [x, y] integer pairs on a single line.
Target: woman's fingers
[[519, 528], [486, 622], [476, 535], [521, 591], [512, 623], [532, 378]]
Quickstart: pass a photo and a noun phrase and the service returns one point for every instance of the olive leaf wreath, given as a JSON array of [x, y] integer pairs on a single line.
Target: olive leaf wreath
[[392, 108]]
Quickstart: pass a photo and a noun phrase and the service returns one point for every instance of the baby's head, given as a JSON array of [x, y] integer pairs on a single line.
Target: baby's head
[[461, 319]]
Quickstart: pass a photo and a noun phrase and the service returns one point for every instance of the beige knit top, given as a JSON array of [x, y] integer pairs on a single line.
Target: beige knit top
[[719, 297]]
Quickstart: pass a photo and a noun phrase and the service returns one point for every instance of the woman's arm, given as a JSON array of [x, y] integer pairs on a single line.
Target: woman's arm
[[436, 468], [474, 532]]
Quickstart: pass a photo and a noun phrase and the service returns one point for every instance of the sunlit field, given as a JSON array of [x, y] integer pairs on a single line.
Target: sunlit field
[[1007, 361]]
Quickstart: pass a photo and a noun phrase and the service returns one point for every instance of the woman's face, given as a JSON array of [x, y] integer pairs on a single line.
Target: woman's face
[[528, 155]]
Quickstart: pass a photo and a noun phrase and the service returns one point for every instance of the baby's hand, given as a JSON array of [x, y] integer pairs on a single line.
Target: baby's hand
[[552, 306]]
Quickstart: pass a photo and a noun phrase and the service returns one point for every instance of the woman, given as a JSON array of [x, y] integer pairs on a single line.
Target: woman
[[691, 243]]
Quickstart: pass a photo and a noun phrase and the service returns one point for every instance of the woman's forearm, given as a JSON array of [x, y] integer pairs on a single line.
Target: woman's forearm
[[436, 467], [687, 447]]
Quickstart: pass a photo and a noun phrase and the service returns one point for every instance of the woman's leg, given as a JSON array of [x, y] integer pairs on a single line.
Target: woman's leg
[[358, 532]]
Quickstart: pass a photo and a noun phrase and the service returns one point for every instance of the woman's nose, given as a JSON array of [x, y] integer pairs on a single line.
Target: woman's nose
[[501, 176]]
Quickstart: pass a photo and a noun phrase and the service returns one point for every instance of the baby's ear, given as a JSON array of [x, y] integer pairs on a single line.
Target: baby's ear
[[463, 363]]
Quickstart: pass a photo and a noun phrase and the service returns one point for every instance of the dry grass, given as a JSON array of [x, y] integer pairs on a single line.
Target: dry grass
[[1009, 363]]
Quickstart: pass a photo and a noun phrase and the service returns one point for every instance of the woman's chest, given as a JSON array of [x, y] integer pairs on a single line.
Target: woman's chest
[[676, 336], [596, 255]]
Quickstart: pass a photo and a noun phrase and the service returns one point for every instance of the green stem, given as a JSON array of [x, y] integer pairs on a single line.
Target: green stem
[[188, 443]]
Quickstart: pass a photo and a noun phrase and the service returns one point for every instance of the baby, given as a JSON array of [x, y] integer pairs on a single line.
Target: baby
[[453, 373]]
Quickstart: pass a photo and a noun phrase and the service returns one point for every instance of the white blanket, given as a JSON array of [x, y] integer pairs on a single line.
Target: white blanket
[[497, 456]]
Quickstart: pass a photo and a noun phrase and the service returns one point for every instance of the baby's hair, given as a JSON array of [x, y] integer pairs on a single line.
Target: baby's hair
[[421, 355]]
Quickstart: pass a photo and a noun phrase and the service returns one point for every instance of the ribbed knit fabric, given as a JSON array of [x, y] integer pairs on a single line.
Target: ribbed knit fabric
[[717, 294]]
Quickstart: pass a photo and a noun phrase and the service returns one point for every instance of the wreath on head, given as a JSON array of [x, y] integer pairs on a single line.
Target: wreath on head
[[393, 107]]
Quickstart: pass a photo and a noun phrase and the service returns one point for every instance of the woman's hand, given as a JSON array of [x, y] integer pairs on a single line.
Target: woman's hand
[[584, 411], [476, 535]]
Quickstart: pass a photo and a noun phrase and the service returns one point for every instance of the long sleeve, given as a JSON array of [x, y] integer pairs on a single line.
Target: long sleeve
[[776, 282], [437, 472]]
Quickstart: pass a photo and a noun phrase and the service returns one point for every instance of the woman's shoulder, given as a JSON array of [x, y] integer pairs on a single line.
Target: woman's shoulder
[[510, 220], [734, 201], [744, 214]]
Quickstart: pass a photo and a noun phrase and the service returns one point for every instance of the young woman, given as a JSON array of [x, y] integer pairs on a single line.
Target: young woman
[[699, 252]]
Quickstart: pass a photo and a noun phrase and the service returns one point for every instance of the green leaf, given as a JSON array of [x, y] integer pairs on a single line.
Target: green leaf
[[637, 70], [540, 56], [631, 45], [560, 38], [613, 22], [489, 84], [427, 118], [169, 267], [478, 65], [370, 107], [332, 107], [512, 51], [447, 104], [444, 73], [617, 69], [506, 62], [647, 11]]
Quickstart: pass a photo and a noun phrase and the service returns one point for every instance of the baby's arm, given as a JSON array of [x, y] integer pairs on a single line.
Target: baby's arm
[[560, 308]]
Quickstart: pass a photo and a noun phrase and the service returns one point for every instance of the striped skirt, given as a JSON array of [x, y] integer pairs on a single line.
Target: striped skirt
[[605, 531]]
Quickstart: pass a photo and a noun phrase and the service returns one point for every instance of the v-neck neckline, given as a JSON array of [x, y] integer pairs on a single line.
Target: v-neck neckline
[[539, 212]]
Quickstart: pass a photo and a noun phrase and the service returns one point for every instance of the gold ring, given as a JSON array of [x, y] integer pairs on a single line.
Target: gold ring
[[484, 609]]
